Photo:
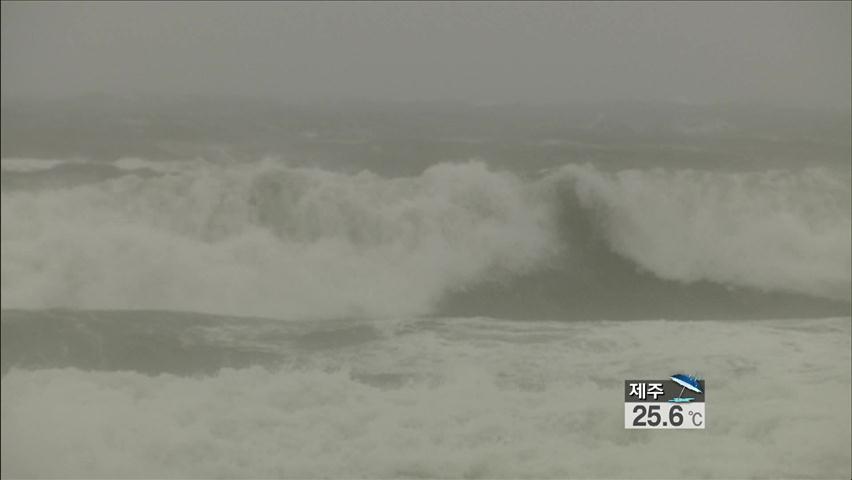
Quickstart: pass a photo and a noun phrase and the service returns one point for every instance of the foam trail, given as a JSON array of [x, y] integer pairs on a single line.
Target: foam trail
[[28, 165]]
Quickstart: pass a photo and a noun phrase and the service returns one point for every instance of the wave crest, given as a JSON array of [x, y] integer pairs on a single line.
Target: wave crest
[[771, 230], [272, 240]]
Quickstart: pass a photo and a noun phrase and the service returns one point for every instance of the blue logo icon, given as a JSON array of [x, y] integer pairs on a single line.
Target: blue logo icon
[[687, 382]]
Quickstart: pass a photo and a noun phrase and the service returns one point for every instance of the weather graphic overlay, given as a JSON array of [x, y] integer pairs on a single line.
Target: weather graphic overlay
[[676, 403]]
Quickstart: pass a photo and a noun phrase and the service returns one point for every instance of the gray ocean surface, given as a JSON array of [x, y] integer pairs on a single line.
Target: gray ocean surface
[[200, 288]]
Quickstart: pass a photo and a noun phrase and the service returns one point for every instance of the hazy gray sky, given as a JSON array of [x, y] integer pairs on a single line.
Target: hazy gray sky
[[785, 53]]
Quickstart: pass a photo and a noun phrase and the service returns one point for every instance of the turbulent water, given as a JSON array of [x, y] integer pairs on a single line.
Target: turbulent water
[[279, 318], [146, 395], [270, 240]]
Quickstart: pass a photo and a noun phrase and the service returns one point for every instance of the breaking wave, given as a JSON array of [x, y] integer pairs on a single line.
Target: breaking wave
[[772, 231], [272, 240]]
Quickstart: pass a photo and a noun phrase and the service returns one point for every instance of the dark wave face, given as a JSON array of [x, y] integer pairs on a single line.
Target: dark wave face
[[571, 243]]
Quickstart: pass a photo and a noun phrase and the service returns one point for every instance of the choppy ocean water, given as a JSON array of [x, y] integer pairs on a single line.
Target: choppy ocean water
[[278, 317], [157, 394]]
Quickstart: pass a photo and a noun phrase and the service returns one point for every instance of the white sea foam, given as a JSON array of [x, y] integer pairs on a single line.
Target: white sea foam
[[270, 240], [136, 163], [267, 239], [771, 230], [473, 398], [21, 165]]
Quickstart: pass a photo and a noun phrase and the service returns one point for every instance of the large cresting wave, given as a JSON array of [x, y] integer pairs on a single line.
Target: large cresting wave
[[267, 239]]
